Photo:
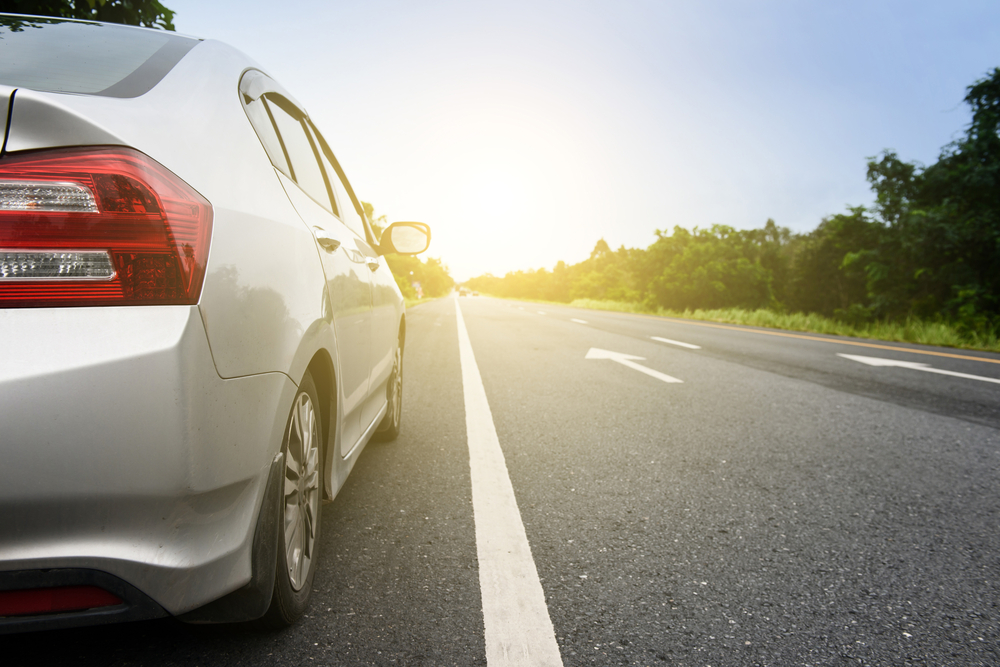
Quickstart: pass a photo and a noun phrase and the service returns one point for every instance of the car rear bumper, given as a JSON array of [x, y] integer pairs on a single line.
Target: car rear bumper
[[132, 604], [124, 452]]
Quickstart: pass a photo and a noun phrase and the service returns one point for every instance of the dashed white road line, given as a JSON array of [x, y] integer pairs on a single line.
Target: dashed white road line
[[518, 628], [578, 321], [676, 342]]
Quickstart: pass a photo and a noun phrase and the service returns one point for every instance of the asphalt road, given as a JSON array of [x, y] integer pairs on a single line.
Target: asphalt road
[[781, 505]]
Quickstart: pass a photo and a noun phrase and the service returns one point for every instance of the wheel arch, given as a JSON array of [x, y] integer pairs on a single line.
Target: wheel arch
[[325, 378]]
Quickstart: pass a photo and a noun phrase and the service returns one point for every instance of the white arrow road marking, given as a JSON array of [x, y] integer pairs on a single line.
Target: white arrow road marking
[[519, 631], [579, 321], [629, 360], [676, 342], [875, 361]]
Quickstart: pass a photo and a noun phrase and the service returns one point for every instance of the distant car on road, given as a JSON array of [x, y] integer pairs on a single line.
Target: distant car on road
[[198, 330]]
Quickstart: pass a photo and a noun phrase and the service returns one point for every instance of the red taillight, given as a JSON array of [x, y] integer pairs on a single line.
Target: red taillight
[[49, 600], [99, 226]]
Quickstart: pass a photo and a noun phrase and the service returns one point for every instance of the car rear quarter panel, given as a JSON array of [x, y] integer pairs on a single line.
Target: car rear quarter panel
[[263, 301], [125, 452]]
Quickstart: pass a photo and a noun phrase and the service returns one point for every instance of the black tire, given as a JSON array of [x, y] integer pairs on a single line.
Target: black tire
[[301, 504], [388, 430]]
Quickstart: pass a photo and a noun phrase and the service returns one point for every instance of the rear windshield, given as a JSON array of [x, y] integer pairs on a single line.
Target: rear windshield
[[58, 56]]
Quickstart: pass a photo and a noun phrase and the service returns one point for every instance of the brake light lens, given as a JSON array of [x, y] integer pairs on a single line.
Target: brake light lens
[[99, 226]]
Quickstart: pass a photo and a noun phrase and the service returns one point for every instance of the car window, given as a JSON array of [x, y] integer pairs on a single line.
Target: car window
[[262, 123], [348, 212], [331, 172], [299, 149]]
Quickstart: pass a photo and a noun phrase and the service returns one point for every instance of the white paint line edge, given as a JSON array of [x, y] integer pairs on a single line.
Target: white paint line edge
[[629, 360], [578, 321], [914, 365], [518, 628], [676, 342], [649, 371]]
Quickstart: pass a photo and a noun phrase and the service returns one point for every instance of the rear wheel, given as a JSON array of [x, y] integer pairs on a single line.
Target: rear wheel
[[298, 536], [389, 428]]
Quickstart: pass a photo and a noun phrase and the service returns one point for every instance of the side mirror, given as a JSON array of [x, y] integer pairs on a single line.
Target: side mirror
[[405, 238]]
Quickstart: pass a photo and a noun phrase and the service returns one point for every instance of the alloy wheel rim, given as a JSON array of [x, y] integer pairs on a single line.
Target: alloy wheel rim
[[301, 490]]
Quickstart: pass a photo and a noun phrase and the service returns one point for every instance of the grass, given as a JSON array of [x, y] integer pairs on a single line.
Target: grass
[[911, 330]]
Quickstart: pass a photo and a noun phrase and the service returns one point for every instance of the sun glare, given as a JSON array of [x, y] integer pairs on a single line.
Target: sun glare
[[494, 195]]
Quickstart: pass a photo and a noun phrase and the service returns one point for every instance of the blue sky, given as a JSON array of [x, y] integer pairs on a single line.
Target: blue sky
[[523, 132]]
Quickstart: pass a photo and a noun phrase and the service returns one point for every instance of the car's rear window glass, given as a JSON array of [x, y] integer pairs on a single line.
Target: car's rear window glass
[[56, 56], [261, 122], [305, 167]]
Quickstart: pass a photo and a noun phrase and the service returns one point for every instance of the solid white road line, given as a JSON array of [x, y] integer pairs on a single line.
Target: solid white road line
[[914, 365], [676, 342], [578, 321], [518, 628]]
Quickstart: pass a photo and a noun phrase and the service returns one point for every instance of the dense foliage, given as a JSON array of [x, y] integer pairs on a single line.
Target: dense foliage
[[430, 275], [148, 13], [929, 247]]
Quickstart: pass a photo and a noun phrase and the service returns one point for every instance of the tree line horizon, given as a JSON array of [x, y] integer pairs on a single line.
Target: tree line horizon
[[928, 248]]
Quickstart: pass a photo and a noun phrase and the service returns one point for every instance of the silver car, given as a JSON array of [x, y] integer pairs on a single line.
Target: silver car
[[198, 330]]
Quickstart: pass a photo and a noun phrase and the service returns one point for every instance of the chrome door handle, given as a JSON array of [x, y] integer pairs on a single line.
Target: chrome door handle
[[327, 242], [372, 263]]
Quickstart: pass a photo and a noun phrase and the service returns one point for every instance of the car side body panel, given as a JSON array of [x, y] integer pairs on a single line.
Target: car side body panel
[[163, 497], [387, 315]]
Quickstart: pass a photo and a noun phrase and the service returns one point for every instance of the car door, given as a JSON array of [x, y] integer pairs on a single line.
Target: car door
[[296, 157], [387, 310], [386, 303]]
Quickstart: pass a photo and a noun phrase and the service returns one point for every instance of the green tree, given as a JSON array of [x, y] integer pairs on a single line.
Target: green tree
[[958, 214], [708, 268], [833, 268], [605, 275], [940, 255], [147, 13]]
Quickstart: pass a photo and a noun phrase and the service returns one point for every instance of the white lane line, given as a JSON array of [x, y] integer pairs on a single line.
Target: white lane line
[[578, 321], [518, 628], [676, 342], [541, 312], [914, 365]]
